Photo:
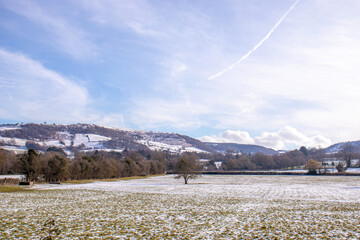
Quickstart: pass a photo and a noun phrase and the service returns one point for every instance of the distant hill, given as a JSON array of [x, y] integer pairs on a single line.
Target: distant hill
[[338, 146], [89, 137], [240, 148]]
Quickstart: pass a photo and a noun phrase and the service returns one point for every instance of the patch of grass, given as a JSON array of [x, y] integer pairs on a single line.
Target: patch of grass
[[134, 177], [7, 189], [109, 179], [79, 181]]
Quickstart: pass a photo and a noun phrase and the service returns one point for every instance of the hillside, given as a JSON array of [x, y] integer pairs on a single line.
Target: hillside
[[338, 146], [240, 148], [90, 137]]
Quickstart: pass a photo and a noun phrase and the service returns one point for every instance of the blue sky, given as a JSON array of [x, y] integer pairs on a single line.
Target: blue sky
[[278, 73]]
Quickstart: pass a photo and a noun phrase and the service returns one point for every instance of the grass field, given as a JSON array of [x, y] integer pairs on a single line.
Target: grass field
[[12, 188], [211, 207], [108, 179]]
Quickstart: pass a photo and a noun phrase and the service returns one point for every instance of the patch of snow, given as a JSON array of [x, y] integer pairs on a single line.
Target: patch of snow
[[12, 176], [80, 139], [193, 149], [64, 135], [8, 128], [312, 188], [102, 149], [14, 149], [13, 141], [111, 150], [204, 160], [218, 164], [353, 170], [161, 146], [97, 138], [90, 140], [291, 171], [94, 145], [68, 152], [54, 143], [67, 142]]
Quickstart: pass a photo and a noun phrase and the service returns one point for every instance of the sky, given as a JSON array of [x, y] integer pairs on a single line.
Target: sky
[[278, 73]]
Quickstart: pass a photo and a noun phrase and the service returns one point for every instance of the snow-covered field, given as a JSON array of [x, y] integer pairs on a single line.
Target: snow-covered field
[[211, 207], [174, 147], [12, 176]]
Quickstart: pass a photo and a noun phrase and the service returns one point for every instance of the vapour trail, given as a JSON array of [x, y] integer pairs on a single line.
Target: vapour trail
[[257, 45], [8, 93]]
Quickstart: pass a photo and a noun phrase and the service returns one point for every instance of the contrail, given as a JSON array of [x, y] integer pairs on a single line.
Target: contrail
[[8, 93], [256, 46]]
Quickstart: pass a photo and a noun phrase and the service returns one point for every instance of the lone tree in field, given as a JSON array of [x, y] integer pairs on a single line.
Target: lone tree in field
[[186, 167], [313, 166]]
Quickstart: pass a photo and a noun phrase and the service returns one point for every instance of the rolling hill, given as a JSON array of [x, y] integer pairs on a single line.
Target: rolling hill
[[240, 148], [338, 146], [90, 137]]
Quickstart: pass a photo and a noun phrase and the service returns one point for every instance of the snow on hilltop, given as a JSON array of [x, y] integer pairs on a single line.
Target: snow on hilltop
[[89, 137], [338, 146]]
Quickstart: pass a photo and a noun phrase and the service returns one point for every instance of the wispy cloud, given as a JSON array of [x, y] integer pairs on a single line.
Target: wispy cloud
[[256, 46], [156, 59], [310, 85], [57, 30], [37, 93]]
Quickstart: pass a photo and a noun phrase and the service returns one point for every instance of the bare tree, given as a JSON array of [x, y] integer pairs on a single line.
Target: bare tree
[[347, 153], [186, 167], [340, 167]]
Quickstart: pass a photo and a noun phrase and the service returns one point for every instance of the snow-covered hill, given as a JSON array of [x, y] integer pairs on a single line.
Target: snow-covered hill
[[338, 146], [88, 137], [241, 148]]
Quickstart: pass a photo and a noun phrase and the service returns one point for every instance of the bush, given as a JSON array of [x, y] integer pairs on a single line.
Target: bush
[[9, 181], [313, 166], [340, 167]]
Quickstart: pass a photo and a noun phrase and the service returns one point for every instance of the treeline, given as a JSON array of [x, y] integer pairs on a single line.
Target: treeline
[[258, 161], [55, 166]]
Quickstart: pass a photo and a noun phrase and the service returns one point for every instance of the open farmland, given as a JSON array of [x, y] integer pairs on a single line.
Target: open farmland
[[211, 207]]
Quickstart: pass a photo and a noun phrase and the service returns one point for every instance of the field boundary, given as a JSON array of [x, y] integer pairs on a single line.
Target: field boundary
[[270, 173]]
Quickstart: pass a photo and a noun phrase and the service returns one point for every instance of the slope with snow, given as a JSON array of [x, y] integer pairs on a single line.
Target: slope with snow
[[335, 148], [89, 137]]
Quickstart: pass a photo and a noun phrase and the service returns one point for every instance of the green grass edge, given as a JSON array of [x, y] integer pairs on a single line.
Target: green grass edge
[[13, 188], [109, 179]]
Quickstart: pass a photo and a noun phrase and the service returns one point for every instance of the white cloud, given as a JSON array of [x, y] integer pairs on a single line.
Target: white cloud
[[230, 136], [35, 93], [286, 138], [305, 75], [113, 120]]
